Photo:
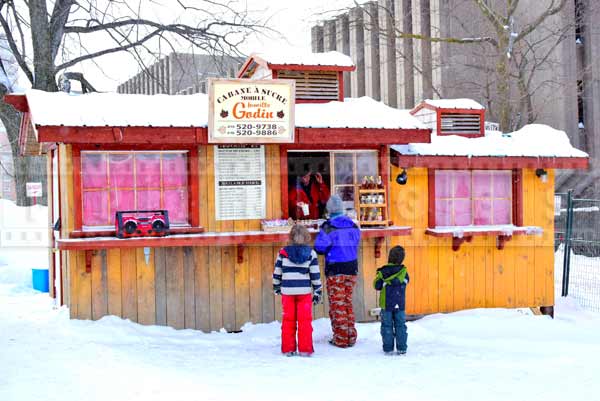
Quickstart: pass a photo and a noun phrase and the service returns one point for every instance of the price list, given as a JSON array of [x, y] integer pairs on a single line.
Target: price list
[[240, 182]]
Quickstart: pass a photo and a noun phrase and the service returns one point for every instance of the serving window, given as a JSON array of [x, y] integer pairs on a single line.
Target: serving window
[[473, 197], [342, 173], [133, 180]]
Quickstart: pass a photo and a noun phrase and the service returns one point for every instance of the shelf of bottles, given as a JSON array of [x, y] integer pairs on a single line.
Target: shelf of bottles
[[372, 204]]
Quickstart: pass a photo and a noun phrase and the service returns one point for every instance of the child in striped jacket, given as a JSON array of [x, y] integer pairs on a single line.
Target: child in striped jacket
[[297, 279]]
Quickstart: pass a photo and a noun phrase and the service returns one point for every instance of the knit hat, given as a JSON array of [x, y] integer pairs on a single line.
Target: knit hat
[[396, 255], [334, 205]]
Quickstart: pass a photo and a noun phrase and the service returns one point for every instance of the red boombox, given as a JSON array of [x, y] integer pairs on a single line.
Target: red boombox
[[142, 223]]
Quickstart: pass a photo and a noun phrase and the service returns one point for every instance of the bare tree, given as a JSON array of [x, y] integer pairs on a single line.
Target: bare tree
[[47, 38], [519, 57]]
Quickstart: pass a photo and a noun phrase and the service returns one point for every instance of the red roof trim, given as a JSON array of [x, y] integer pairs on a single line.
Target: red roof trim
[[19, 102], [183, 135], [380, 136], [126, 135], [489, 162]]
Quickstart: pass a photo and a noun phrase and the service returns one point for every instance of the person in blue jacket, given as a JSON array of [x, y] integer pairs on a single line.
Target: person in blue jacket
[[338, 240], [391, 281]]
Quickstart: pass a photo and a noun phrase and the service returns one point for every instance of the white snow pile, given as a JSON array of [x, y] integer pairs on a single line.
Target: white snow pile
[[468, 104], [293, 57], [493, 354], [119, 110], [363, 112], [122, 110], [23, 243], [534, 140]]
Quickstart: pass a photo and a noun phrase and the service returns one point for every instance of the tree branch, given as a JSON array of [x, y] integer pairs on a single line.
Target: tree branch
[[13, 47], [58, 21], [540, 19], [107, 51]]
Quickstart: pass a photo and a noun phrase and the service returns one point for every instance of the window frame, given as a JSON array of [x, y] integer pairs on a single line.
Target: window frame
[[381, 152], [517, 194], [192, 180]]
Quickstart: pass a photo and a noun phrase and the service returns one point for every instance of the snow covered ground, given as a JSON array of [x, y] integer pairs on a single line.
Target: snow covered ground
[[584, 279], [472, 355]]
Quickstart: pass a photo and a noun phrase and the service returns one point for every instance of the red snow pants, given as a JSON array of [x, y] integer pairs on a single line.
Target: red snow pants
[[339, 292], [297, 312]]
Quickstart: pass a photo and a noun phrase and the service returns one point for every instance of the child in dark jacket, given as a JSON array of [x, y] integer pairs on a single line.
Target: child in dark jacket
[[391, 281], [297, 279]]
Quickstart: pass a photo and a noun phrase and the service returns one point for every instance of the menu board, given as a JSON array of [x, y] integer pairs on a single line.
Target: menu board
[[251, 111], [240, 182]]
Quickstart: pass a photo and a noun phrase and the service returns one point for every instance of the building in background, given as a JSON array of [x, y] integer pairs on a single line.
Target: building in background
[[181, 74], [402, 72]]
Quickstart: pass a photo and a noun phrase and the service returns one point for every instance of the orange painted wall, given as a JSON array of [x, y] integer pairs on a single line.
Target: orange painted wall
[[478, 274]]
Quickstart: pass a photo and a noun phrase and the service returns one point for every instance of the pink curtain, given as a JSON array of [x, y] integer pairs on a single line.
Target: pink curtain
[[133, 181], [121, 171], [176, 203], [174, 170], [147, 167], [480, 197], [95, 208], [93, 170]]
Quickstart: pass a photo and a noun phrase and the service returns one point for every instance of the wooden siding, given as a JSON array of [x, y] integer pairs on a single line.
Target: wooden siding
[[478, 274], [207, 289]]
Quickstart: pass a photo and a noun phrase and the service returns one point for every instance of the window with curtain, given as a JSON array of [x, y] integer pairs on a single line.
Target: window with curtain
[[349, 169], [473, 197], [117, 180]]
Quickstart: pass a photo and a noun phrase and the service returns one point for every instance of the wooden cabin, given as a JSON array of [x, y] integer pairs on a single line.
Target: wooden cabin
[[109, 152]]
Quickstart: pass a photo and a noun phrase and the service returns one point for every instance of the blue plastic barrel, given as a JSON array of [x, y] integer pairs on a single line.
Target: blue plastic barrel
[[40, 279]]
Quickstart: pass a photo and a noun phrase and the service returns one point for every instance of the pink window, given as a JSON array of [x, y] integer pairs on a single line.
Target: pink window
[[113, 181], [477, 197]]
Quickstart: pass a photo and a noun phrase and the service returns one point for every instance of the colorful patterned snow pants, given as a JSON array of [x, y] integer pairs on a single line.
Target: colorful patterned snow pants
[[339, 291]]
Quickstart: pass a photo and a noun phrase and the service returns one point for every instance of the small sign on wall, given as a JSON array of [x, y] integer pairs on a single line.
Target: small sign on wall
[[251, 111], [33, 189], [557, 204], [240, 184]]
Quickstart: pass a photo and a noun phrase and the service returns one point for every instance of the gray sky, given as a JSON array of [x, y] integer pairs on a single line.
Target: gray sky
[[292, 18]]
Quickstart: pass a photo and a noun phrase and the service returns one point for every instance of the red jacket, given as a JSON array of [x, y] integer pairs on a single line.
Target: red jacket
[[319, 194]]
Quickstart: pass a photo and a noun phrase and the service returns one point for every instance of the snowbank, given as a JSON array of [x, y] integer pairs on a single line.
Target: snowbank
[[534, 140], [493, 354], [23, 242]]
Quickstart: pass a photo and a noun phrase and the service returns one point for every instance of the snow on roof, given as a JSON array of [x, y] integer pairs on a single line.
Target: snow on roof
[[332, 58], [454, 104], [534, 140], [118, 110], [122, 110], [361, 112]]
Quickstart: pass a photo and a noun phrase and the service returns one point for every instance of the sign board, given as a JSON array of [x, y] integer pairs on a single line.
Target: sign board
[[240, 184], [251, 111], [557, 205], [33, 189]]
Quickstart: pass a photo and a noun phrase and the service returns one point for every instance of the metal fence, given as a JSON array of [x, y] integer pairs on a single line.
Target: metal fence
[[577, 245]]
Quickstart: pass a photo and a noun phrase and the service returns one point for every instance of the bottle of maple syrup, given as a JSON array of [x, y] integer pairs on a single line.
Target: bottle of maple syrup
[[363, 184]]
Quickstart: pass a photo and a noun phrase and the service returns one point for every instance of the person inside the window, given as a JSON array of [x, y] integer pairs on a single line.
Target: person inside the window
[[307, 199]]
